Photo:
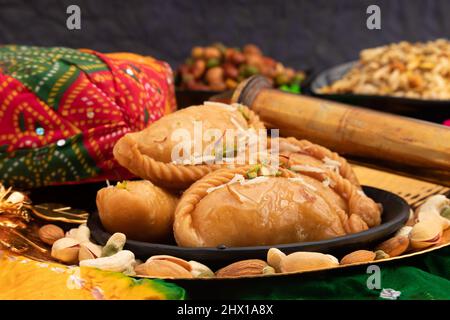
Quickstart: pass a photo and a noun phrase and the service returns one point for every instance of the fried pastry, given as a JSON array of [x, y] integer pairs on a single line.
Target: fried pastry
[[139, 209], [149, 153], [284, 207]]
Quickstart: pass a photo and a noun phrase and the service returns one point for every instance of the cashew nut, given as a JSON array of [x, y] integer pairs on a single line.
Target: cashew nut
[[432, 208], [119, 262]]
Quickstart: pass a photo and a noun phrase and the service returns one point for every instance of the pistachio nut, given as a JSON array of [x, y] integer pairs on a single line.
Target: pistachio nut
[[380, 255], [199, 270], [66, 250], [88, 250], [182, 263], [269, 270], [425, 234], [114, 244]]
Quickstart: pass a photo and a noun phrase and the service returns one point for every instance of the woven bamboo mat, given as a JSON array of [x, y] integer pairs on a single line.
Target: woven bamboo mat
[[414, 191]]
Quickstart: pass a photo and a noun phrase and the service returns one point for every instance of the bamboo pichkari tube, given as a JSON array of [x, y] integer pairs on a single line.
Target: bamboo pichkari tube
[[349, 130]]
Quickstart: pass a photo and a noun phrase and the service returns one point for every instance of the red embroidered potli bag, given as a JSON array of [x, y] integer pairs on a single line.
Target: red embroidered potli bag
[[62, 110]]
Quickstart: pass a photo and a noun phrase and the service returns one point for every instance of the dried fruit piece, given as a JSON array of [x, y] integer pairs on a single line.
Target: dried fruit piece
[[214, 75], [243, 268], [197, 52], [212, 52], [198, 68], [394, 246], [358, 256]]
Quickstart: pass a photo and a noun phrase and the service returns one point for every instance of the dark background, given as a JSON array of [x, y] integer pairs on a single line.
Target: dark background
[[303, 34]]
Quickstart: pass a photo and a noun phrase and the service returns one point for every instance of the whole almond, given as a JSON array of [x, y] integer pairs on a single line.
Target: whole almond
[[50, 233], [162, 269], [243, 268], [358, 256], [394, 246]]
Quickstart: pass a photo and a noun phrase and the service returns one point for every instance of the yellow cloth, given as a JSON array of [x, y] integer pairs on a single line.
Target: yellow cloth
[[26, 279]]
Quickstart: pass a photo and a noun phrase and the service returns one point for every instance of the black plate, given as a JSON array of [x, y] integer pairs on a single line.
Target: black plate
[[431, 110], [395, 214]]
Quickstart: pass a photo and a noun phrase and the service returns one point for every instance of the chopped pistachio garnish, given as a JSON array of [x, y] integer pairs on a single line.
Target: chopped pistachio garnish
[[446, 212], [225, 151], [252, 174], [121, 185], [253, 171], [243, 112]]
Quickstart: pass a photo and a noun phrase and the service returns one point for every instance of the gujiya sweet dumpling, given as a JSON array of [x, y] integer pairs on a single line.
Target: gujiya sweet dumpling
[[306, 157], [284, 207], [149, 153], [139, 209]]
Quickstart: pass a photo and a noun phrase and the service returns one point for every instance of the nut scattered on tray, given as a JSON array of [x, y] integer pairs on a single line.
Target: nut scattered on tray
[[218, 68], [75, 247], [410, 70]]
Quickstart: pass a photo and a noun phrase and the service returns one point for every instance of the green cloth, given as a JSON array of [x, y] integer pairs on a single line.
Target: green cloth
[[425, 276]]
